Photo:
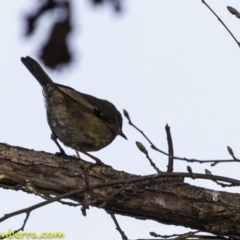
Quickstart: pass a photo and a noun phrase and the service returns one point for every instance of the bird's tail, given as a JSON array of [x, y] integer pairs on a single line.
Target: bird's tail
[[36, 70]]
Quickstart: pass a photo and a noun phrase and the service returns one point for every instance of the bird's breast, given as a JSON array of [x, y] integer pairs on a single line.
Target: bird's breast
[[78, 128]]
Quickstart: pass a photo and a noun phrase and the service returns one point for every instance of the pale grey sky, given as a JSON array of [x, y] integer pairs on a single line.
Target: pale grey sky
[[164, 61]]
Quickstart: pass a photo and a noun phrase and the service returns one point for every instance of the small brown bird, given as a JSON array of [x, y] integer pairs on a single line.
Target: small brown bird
[[80, 121]]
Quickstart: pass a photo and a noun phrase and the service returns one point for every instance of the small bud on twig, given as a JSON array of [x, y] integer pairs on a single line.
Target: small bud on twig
[[190, 172], [230, 150], [126, 115], [232, 10], [141, 147], [207, 172], [29, 187]]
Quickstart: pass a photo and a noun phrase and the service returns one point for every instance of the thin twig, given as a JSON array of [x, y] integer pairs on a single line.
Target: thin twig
[[111, 196], [178, 236], [24, 222], [213, 161], [133, 125], [152, 163], [61, 201], [124, 237], [233, 182], [170, 149], [21, 228], [219, 19], [189, 235]]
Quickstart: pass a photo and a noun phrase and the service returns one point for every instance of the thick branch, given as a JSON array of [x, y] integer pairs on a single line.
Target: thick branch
[[166, 200]]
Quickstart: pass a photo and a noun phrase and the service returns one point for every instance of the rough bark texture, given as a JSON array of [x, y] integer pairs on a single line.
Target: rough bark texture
[[166, 200]]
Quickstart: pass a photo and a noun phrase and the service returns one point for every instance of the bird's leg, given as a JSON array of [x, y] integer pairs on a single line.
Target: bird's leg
[[98, 161], [54, 138]]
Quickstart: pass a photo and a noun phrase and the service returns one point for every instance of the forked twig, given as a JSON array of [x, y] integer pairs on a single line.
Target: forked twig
[[213, 161]]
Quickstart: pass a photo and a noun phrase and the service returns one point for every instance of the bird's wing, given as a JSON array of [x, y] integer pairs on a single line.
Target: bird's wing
[[99, 107], [77, 96]]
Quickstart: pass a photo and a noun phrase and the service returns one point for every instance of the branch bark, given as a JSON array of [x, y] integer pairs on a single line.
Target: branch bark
[[165, 200]]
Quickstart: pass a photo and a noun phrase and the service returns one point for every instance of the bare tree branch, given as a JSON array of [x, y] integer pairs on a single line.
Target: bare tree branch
[[152, 197]]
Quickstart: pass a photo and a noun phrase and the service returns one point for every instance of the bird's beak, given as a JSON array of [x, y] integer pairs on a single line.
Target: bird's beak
[[122, 135]]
